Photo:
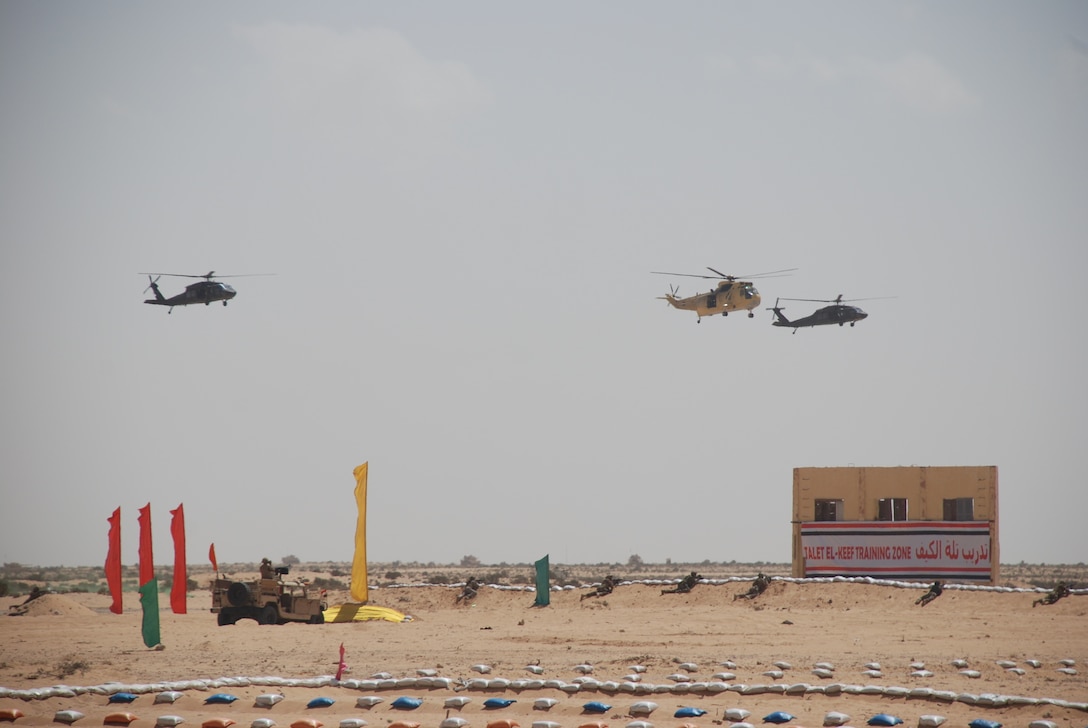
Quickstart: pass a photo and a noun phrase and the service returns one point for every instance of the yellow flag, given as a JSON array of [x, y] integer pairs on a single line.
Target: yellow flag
[[358, 567]]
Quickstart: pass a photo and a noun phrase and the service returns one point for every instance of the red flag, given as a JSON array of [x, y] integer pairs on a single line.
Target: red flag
[[113, 561], [211, 557], [343, 665], [181, 578], [147, 563]]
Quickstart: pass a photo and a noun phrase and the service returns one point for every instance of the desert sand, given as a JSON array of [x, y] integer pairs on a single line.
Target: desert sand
[[74, 640]]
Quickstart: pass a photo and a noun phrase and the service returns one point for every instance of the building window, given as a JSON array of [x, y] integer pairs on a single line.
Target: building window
[[891, 509], [959, 509], [828, 510]]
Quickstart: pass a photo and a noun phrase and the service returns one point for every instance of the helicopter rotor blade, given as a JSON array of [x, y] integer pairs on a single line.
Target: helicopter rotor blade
[[207, 276], [839, 299], [723, 275], [151, 283], [686, 275]]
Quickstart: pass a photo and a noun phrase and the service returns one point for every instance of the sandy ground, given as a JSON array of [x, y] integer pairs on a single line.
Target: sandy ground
[[74, 640]]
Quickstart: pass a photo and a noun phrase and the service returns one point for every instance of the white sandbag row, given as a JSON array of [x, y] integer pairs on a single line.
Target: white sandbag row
[[746, 579], [989, 700]]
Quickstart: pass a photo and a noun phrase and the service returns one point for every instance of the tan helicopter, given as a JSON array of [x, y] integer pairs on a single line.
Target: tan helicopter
[[730, 294]]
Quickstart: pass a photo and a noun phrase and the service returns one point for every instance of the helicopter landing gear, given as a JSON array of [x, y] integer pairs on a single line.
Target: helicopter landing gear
[[224, 303], [751, 315]]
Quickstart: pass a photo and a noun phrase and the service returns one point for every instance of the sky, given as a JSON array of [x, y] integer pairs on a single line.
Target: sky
[[462, 204]]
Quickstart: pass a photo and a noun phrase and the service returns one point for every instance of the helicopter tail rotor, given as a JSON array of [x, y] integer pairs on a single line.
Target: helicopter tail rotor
[[153, 285], [779, 319]]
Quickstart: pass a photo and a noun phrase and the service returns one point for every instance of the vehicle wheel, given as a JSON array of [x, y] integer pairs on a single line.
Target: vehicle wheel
[[226, 618], [268, 615], [318, 618], [238, 594]]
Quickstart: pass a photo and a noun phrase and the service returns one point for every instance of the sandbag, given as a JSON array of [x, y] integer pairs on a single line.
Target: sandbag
[[122, 698], [405, 703], [67, 716], [168, 721], [883, 719], [503, 723], [596, 706], [217, 723], [352, 723], [321, 702], [119, 719], [688, 712], [494, 703], [453, 722], [263, 723], [777, 717], [368, 701], [220, 698]]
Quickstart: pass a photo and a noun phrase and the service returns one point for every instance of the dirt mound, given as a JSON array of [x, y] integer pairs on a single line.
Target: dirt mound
[[49, 605]]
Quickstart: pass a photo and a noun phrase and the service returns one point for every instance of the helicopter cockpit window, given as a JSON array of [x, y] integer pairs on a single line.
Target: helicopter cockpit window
[[749, 291]]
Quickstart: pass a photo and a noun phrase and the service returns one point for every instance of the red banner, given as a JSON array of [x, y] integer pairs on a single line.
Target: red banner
[[113, 561], [147, 563], [211, 557], [181, 578], [957, 550]]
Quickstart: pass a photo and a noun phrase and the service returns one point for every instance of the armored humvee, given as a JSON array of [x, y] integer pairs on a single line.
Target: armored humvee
[[268, 601]]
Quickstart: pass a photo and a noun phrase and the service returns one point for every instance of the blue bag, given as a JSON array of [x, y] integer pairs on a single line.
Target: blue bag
[[885, 720], [320, 703], [983, 723], [596, 707], [122, 697], [407, 703], [778, 716], [493, 703], [220, 698], [689, 713]]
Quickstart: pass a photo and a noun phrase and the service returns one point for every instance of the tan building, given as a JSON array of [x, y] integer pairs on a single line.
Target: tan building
[[914, 523]]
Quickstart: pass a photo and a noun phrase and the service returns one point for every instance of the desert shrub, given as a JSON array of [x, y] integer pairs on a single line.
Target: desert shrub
[[70, 666], [321, 582]]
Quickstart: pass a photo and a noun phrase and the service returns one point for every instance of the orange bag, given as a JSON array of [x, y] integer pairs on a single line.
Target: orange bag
[[118, 719]]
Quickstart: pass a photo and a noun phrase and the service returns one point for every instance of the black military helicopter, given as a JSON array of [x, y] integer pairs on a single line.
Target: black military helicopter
[[204, 291], [837, 313]]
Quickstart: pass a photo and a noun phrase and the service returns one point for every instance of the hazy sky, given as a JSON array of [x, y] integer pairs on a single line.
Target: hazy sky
[[463, 203]]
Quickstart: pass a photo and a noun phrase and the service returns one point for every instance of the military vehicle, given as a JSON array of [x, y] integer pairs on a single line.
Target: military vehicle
[[268, 601]]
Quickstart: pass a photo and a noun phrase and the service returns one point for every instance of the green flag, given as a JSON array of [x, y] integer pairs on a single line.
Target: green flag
[[149, 601], [543, 588]]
